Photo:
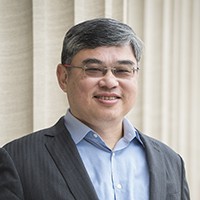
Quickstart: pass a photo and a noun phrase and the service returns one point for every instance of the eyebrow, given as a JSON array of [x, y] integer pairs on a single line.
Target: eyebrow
[[126, 62], [92, 60], [97, 61]]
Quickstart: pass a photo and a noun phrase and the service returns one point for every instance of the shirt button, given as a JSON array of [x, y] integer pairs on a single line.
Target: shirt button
[[119, 186], [95, 135]]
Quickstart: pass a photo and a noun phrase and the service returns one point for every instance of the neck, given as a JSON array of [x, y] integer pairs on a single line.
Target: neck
[[110, 134]]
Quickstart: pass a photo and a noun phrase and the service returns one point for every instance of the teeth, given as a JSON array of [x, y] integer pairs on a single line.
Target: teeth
[[107, 98]]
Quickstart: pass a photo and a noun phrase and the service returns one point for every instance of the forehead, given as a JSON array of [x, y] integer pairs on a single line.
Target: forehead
[[106, 54]]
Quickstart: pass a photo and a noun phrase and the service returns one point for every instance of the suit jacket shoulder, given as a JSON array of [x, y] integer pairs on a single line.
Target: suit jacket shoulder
[[160, 146], [49, 165]]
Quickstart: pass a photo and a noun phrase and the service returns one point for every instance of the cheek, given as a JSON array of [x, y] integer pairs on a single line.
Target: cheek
[[131, 93], [132, 88], [79, 91]]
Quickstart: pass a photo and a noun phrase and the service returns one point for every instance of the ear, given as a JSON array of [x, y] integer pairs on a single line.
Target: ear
[[62, 77]]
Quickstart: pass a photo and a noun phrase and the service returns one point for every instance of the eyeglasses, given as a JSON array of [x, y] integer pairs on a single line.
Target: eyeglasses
[[97, 70]]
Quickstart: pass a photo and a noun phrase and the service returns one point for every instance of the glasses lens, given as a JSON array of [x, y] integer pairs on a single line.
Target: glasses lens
[[123, 71], [94, 70]]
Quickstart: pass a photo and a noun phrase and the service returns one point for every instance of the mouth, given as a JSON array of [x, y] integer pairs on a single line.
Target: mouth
[[107, 98]]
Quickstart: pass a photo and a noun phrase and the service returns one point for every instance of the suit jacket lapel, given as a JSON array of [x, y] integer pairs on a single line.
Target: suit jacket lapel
[[156, 169], [65, 155]]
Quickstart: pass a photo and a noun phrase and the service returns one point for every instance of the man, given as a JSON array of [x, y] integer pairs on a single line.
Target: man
[[94, 152]]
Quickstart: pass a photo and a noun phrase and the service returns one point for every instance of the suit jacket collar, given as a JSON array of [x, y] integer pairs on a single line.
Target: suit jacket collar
[[65, 155], [156, 168]]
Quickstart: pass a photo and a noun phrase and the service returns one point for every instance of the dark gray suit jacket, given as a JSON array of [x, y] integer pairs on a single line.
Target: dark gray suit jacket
[[46, 166]]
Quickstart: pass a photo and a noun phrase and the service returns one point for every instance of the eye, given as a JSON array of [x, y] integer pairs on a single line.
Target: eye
[[123, 70], [93, 70]]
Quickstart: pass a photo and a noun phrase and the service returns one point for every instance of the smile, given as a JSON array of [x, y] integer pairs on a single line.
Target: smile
[[110, 98]]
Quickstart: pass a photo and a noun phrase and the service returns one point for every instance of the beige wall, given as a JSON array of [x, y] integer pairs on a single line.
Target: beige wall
[[31, 34]]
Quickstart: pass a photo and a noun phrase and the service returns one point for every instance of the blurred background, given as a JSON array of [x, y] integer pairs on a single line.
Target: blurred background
[[31, 35]]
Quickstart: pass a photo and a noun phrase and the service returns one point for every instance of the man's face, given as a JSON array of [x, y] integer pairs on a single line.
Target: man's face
[[100, 100]]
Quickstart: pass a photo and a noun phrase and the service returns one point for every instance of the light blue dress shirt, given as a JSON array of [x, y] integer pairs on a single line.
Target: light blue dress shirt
[[117, 174]]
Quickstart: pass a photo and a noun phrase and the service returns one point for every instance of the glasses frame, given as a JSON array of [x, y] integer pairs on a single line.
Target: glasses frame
[[104, 71]]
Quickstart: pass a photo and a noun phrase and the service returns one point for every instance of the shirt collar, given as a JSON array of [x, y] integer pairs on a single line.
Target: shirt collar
[[76, 127], [80, 130], [130, 132]]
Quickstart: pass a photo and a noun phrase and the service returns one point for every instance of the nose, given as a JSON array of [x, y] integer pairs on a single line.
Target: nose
[[108, 80]]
